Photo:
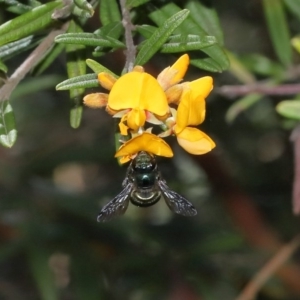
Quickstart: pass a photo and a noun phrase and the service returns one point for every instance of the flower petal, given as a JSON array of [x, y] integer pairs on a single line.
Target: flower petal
[[152, 119], [174, 74], [201, 87], [138, 69], [95, 100], [183, 112], [124, 159], [174, 93], [123, 128], [136, 118], [138, 90], [106, 80], [195, 141], [145, 142]]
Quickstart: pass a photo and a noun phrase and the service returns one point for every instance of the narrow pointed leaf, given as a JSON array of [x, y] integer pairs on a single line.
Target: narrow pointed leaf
[[3, 67], [84, 81], [241, 105], [28, 23], [14, 48], [207, 64], [294, 7], [146, 30], [86, 6], [8, 132], [18, 7], [88, 39], [135, 3], [76, 116], [262, 65], [238, 69], [112, 30], [109, 11], [160, 36], [33, 85], [207, 18], [38, 259], [180, 43], [81, 13], [278, 29], [98, 68], [289, 109], [189, 26], [49, 58], [76, 66]]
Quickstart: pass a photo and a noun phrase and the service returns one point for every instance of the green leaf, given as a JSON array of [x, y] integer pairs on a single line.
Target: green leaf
[[28, 23], [75, 116], [3, 67], [14, 48], [49, 58], [189, 26], [76, 66], [206, 63], [8, 131], [278, 29], [81, 13], [207, 18], [86, 6], [241, 105], [146, 30], [38, 259], [293, 6], [85, 274], [160, 36], [98, 68], [20, 8], [262, 65], [109, 11], [135, 3], [289, 109], [238, 69], [113, 30], [84, 81], [180, 43], [88, 39], [33, 85]]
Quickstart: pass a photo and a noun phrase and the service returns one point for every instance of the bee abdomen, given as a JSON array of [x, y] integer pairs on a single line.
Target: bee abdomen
[[144, 198]]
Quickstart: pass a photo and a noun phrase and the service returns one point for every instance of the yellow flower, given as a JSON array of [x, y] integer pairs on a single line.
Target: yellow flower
[[191, 108], [145, 142], [138, 92], [137, 97], [135, 94], [174, 74], [191, 111]]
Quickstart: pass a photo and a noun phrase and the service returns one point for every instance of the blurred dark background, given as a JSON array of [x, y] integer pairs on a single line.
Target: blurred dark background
[[55, 179]]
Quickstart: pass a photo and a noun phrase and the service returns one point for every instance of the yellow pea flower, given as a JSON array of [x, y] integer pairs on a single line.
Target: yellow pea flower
[[145, 142], [173, 74], [139, 92], [191, 111]]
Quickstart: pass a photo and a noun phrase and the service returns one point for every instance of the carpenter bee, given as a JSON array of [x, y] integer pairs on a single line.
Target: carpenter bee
[[143, 186]]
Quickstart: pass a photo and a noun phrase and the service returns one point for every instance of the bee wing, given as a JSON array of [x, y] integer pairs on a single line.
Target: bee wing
[[176, 202], [117, 206]]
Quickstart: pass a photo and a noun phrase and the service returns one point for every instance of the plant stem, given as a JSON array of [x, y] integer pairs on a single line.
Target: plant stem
[[29, 63], [268, 270], [242, 90], [130, 47]]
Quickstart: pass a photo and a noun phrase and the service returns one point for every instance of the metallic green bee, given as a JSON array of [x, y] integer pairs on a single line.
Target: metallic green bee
[[143, 186]]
